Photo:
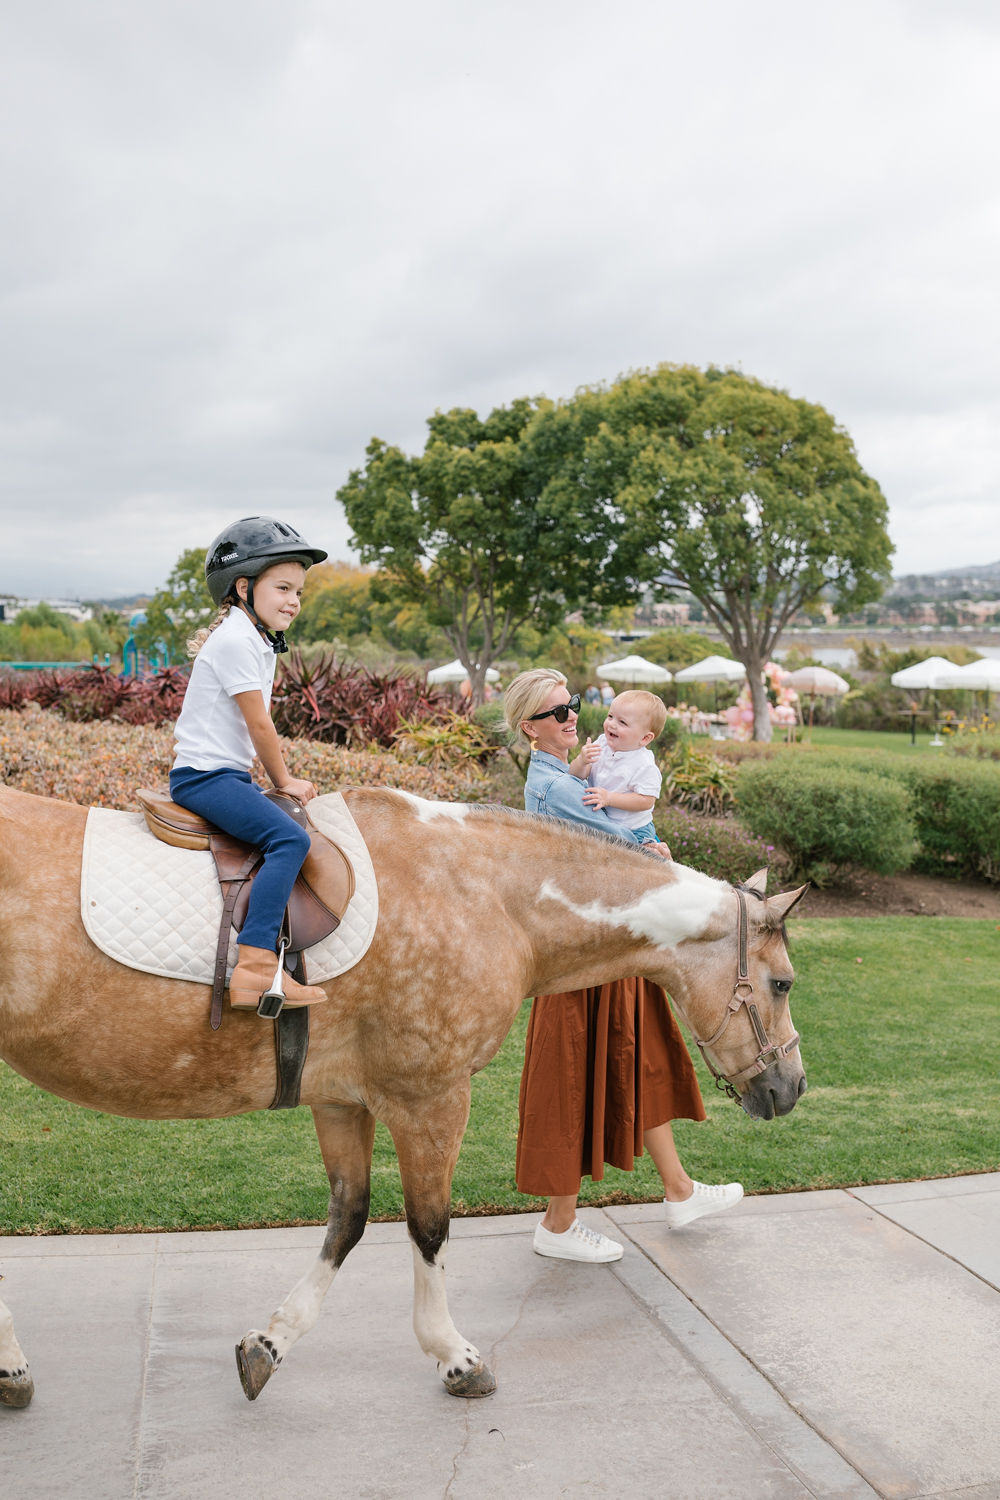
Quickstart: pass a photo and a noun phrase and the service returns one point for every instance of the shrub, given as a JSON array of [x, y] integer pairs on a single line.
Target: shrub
[[341, 703], [696, 779], [102, 764], [979, 741], [13, 690], [453, 743], [956, 806], [717, 847], [93, 693], [826, 817]]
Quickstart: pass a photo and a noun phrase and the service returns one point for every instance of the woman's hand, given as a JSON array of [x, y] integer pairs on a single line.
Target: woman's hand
[[295, 786], [663, 850]]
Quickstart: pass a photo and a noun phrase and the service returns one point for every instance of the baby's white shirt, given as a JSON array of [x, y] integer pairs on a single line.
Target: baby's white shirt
[[626, 771]]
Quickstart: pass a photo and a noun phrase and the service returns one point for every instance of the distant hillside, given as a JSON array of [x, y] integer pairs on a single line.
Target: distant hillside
[[979, 579], [127, 601]]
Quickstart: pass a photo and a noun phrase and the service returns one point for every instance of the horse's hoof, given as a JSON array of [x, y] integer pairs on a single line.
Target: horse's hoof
[[479, 1381], [16, 1390], [256, 1365]]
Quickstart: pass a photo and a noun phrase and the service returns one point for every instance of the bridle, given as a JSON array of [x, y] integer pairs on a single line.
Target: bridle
[[770, 1052]]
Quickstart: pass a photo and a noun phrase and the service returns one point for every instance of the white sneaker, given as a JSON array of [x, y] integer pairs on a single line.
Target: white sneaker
[[703, 1200], [577, 1243]]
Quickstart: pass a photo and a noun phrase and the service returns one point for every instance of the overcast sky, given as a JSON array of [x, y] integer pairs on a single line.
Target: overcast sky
[[243, 236]]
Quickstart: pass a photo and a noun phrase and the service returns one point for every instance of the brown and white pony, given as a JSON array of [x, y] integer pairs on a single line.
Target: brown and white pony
[[479, 907]]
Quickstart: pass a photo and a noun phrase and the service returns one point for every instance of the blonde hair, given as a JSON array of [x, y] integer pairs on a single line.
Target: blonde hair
[[525, 696], [654, 708], [199, 638]]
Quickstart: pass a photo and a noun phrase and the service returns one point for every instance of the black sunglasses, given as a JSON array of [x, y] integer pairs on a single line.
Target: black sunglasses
[[561, 712]]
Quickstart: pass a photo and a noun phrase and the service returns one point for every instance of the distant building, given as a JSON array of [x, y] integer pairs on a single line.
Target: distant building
[[11, 606]]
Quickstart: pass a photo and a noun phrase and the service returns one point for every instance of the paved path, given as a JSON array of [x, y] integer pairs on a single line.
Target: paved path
[[817, 1344]]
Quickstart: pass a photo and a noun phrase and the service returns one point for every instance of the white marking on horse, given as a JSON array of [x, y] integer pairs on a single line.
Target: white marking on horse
[[665, 916], [426, 811]]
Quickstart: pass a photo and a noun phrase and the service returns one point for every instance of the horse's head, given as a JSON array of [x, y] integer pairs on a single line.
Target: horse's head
[[751, 1046]]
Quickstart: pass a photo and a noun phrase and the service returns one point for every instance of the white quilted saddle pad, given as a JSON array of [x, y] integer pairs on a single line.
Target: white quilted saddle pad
[[156, 908]]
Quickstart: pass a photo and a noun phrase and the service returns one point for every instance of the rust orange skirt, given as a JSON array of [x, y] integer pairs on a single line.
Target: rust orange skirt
[[601, 1066]]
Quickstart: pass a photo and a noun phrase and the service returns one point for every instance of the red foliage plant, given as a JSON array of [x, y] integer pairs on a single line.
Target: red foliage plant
[[342, 703], [96, 693], [334, 702]]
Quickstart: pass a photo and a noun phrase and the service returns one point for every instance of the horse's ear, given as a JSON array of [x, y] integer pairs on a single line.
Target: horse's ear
[[782, 904], [757, 881]]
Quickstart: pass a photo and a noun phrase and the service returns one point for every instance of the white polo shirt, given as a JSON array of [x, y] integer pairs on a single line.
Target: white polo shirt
[[626, 771], [211, 733]]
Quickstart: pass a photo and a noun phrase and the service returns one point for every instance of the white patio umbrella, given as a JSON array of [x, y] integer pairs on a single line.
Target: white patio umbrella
[[633, 669], [454, 671], [923, 674], [813, 680], [980, 676], [712, 669]]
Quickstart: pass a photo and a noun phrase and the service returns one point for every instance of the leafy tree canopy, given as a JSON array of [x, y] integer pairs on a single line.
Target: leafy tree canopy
[[710, 481], [475, 530], [180, 608]]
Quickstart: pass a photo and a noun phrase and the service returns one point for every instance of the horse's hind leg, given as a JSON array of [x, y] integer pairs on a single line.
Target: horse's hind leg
[[345, 1136], [427, 1143], [16, 1384]]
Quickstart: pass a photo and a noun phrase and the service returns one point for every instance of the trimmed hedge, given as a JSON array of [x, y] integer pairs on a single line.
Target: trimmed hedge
[[827, 817], [715, 846], [956, 805], [952, 811]]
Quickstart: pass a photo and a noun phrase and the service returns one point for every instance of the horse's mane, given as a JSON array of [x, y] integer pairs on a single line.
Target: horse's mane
[[558, 827]]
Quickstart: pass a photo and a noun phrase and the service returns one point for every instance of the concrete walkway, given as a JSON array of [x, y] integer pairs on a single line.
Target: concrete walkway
[[817, 1344]]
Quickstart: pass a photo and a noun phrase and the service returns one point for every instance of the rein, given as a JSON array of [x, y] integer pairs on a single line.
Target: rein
[[770, 1052]]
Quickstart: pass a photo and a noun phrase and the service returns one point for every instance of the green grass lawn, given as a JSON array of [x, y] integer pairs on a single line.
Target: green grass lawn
[[898, 1018], [871, 739]]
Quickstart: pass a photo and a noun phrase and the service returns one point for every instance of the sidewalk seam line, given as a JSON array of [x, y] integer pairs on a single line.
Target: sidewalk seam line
[[929, 1243], [734, 1403]]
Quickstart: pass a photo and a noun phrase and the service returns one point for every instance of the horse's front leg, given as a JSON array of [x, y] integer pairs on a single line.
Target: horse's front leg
[[16, 1384], [346, 1135], [427, 1139]]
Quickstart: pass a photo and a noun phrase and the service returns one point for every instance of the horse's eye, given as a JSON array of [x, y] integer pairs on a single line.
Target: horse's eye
[[782, 985]]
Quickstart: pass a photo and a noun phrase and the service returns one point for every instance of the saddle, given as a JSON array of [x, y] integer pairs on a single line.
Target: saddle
[[322, 891]]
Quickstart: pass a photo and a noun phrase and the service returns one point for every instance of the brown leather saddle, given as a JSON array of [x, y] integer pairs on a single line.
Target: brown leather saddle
[[320, 897]]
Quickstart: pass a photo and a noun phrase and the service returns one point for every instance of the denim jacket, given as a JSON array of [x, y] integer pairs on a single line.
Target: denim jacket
[[550, 788]]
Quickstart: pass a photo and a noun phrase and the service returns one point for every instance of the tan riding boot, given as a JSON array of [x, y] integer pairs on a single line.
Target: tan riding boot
[[254, 975]]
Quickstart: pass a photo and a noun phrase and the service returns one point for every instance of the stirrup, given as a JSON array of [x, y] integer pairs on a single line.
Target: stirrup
[[272, 1002]]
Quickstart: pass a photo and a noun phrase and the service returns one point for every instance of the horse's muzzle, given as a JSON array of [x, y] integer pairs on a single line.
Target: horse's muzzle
[[773, 1093]]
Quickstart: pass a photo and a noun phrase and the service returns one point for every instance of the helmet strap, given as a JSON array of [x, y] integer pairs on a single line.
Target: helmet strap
[[275, 638]]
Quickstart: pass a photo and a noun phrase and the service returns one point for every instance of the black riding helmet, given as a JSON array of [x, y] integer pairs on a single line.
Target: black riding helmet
[[245, 549]]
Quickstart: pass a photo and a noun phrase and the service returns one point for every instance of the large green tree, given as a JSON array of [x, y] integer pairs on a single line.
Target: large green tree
[[479, 529], [180, 608], [751, 500]]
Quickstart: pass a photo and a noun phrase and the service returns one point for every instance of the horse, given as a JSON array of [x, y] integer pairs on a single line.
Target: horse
[[478, 907]]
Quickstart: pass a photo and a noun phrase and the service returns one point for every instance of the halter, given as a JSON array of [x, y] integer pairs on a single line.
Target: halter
[[769, 1051]]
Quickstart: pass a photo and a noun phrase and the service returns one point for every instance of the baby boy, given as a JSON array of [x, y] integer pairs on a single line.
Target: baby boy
[[620, 770]]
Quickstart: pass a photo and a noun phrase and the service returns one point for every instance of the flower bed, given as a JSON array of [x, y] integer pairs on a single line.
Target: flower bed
[[101, 764]]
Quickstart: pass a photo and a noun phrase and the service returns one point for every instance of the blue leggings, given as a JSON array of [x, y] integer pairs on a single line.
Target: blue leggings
[[234, 803]]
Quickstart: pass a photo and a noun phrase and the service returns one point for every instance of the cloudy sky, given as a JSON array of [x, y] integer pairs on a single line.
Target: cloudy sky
[[243, 236]]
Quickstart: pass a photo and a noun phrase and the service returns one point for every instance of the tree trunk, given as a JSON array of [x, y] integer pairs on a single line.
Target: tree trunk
[[761, 704]]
